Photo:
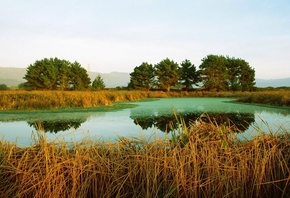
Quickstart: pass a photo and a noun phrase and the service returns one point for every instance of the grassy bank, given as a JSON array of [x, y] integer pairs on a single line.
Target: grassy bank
[[277, 98], [201, 161], [30, 100]]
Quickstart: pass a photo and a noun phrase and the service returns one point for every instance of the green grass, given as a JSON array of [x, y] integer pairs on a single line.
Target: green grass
[[201, 160]]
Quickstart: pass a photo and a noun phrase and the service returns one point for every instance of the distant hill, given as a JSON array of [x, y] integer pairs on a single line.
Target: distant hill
[[12, 76], [273, 82], [113, 79]]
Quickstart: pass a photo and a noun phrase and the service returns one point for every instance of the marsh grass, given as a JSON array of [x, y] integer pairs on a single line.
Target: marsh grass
[[201, 160], [40, 100], [31, 100], [278, 98]]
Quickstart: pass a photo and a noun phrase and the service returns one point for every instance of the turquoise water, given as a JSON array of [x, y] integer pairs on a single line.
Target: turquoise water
[[151, 117]]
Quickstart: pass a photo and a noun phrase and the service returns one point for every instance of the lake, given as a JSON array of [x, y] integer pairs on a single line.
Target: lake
[[151, 118]]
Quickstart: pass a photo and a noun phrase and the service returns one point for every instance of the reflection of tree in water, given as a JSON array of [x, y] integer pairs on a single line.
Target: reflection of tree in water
[[240, 121], [145, 122], [54, 126], [166, 123]]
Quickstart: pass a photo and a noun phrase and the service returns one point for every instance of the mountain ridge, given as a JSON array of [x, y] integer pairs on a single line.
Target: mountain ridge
[[13, 76]]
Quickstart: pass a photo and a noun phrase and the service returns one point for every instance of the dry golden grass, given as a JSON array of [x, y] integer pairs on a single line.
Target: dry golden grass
[[31, 100], [278, 98], [190, 164]]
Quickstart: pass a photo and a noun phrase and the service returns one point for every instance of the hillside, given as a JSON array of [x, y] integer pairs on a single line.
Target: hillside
[[12, 76], [113, 79]]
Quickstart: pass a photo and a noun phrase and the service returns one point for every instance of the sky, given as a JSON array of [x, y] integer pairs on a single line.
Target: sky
[[118, 35]]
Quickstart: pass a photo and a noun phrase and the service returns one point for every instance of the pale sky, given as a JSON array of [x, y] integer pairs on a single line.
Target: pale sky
[[118, 35]]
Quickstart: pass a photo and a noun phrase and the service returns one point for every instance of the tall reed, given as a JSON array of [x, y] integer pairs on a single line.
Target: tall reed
[[202, 161]]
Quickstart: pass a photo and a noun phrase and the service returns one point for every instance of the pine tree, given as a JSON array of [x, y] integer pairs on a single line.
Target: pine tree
[[98, 83]]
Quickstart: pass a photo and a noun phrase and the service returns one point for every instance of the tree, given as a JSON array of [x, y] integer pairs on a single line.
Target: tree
[[4, 87], [23, 86], [142, 77], [42, 75], [167, 73], [241, 77], [214, 73], [220, 73], [247, 78], [98, 83], [234, 71], [56, 74], [79, 78], [63, 74], [189, 75]]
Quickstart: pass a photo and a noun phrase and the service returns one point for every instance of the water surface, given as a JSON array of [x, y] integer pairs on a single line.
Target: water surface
[[151, 117]]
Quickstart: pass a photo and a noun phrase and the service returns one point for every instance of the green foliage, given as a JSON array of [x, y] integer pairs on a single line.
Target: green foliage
[[98, 83], [214, 73], [247, 78], [189, 75], [56, 74], [217, 73], [142, 77], [62, 79], [220, 73], [241, 77], [79, 79], [168, 73], [4, 87], [23, 86]]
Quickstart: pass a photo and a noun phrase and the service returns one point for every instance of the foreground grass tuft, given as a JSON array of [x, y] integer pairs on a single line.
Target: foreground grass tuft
[[202, 160]]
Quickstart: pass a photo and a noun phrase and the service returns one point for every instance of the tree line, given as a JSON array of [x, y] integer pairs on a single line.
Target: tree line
[[216, 73], [57, 74]]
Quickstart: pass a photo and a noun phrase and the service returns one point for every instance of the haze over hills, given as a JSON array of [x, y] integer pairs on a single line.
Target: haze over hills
[[12, 76], [273, 82]]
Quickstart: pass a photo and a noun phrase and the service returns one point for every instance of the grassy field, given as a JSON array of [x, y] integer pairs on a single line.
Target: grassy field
[[202, 160], [31, 100]]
